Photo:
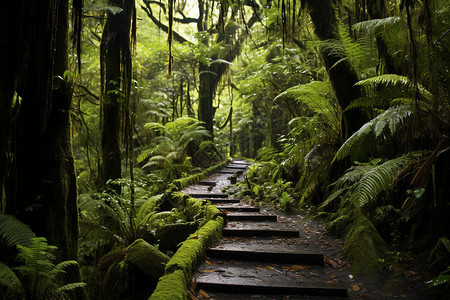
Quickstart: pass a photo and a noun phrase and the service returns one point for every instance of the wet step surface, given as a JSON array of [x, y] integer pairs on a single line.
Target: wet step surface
[[273, 254], [260, 255], [250, 216], [238, 208], [271, 278]]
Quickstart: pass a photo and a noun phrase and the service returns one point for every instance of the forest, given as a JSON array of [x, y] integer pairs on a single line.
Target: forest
[[108, 108]]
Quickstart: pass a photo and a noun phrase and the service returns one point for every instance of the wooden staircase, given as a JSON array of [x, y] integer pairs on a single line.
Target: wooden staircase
[[249, 262]]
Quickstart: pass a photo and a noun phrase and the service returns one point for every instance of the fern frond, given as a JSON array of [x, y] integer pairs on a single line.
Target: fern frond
[[361, 142], [394, 81], [60, 268], [315, 95], [99, 233], [380, 178], [335, 195], [13, 232], [71, 287], [144, 155], [10, 280], [152, 126], [376, 26]]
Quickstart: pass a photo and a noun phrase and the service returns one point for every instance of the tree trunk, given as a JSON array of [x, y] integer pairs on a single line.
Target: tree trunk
[[28, 199], [377, 9], [43, 190], [208, 84], [116, 43], [342, 75], [11, 64]]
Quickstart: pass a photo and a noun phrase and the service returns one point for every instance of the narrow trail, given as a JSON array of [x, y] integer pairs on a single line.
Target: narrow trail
[[262, 255]]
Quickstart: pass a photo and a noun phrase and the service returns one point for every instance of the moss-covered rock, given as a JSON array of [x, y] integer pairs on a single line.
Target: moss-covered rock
[[363, 246], [147, 258]]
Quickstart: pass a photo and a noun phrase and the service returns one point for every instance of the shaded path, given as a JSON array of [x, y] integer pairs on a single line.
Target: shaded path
[[262, 255]]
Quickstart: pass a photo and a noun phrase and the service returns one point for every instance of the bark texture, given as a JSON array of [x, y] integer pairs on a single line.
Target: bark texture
[[342, 75], [41, 181]]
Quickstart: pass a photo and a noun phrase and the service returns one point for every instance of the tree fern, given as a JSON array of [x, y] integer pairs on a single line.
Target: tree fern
[[382, 126]]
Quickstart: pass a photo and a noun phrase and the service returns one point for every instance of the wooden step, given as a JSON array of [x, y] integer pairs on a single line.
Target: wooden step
[[250, 216], [268, 256], [208, 195], [238, 208], [226, 172], [207, 183], [241, 162], [236, 166], [240, 286], [259, 232], [222, 200]]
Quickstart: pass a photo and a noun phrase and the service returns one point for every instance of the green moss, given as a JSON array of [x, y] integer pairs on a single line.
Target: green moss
[[180, 268], [178, 271], [184, 182], [147, 258], [171, 286], [170, 235], [192, 251], [363, 246]]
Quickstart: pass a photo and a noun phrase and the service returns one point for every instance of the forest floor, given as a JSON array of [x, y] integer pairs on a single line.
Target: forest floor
[[404, 280]]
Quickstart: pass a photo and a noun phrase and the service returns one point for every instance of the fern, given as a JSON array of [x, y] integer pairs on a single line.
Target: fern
[[379, 179], [13, 232], [38, 277], [384, 125], [168, 151], [361, 184], [315, 95], [394, 81], [376, 27], [10, 280]]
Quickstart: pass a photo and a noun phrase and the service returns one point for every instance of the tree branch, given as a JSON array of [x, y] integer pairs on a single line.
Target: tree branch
[[186, 20], [163, 27]]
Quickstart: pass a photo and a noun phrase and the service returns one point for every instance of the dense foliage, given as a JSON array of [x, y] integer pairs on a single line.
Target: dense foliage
[[343, 105]]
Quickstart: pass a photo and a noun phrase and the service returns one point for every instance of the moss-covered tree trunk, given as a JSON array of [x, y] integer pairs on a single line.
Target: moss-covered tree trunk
[[11, 64], [342, 75], [110, 153], [211, 75], [209, 79], [116, 81], [42, 189]]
